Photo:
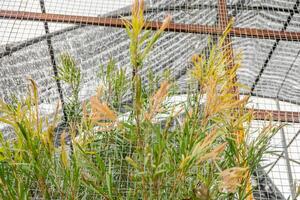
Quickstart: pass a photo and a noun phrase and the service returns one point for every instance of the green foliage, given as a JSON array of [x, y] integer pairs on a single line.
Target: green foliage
[[32, 167], [160, 150], [115, 82], [71, 75]]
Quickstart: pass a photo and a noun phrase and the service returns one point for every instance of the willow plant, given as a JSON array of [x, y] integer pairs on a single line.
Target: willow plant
[[208, 155], [114, 79], [199, 149], [70, 74], [138, 38], [32, 167]]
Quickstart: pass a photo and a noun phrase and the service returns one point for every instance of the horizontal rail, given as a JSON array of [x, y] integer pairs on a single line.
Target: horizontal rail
[[173, 27], [282, 116], [11, 49], [185, 6]]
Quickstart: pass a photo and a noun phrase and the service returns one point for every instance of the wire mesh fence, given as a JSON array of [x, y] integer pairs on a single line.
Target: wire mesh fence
[[34, 33]]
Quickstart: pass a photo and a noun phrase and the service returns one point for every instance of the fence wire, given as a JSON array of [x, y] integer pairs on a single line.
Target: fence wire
[[267, 33]]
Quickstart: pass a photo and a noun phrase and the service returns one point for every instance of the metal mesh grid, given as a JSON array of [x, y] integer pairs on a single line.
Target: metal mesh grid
[[266, 32]]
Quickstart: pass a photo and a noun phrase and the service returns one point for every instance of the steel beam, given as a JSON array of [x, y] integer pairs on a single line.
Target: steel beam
[[223, 22], [186, 6], [274, 115], [173, 27], [52, 58]]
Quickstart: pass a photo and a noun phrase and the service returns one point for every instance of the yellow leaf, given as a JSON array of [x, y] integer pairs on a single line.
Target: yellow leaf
[[64, 154], [132, 162], [232, 178], [184, 162], [213, 155]]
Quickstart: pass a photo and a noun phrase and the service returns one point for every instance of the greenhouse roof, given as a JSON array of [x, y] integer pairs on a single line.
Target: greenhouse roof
[[270, 67]]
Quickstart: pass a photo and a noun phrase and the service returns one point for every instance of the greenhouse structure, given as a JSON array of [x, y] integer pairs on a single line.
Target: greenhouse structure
[[49, 45]]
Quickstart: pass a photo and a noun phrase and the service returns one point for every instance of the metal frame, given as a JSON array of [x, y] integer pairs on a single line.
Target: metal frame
[[223, 20], [282, 35], [173, 27], [14, 48], [223, 23], [274, 47], [236, 7], [53, 62], [275, 115], [287, 157]]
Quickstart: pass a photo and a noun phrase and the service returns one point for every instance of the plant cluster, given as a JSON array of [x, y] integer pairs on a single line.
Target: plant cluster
[[157, 150], [116, 83], [71, 75]]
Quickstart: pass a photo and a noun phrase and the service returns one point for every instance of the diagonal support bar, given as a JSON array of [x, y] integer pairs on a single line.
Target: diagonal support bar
[[173, 27], [54, 64]]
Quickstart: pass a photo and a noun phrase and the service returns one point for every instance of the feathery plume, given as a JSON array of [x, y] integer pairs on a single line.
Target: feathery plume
[[231, 178], [165, 23], [157, 100], [213, 155], [205, 143], [101, 111]]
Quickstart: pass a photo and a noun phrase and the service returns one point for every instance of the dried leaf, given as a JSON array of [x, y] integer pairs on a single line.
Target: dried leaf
[[157, 100], [213, 155], [202, 146], [84, 110], [231, 178], [202, 192], [165, 23], [101, 111]]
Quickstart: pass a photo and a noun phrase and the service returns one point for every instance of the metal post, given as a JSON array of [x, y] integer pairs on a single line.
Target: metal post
[[54, 66], [223, 22], [287, 158]]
